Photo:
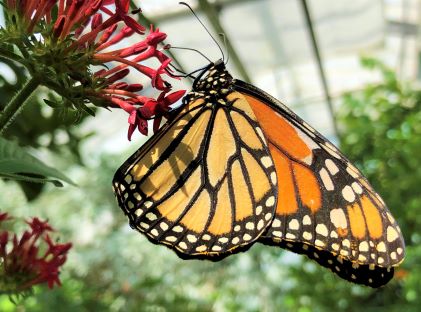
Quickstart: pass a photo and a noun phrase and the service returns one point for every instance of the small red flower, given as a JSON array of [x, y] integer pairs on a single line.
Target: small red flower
[[137, 121], [151, 109], [38, 227], [163, 105], [25, 264]]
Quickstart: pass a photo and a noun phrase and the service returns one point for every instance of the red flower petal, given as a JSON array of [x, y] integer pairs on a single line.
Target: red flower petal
[[143, 126], [156, 123], [38, 226], [174, 97], [132, 128]]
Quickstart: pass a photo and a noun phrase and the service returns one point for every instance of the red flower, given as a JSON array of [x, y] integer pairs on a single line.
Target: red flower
[[24, 265], [38, 227], [87, 33], [137, 121], [151, 108], [163, 105]]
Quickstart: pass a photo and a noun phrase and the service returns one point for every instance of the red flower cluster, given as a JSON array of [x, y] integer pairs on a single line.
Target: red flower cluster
[[31, 259], [140, 108], [92, 26]]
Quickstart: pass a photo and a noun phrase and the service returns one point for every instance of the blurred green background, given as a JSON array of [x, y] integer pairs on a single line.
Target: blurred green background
[[113, 268]]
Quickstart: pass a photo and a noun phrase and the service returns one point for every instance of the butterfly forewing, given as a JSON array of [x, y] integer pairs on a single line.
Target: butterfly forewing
[[326, 209], [204, 185]]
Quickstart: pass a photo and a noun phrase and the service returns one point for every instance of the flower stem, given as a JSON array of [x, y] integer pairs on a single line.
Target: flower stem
[[17, 103]]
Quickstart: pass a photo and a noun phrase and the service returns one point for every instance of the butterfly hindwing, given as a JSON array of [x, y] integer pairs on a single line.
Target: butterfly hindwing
[[326, 209], [203, 185]]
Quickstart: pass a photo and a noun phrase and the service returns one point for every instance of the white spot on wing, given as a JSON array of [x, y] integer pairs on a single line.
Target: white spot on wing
[[307, 235], [306, 220], [163, 226], [294, 224], [277, 233], [260, 224], [273, 177], [201, 248], [357, 188], [266, 161], [346, 243], [270, 201], [171, 239], [352, 171], [381, 247], [327, 181], [151, 216], [348, 194], [177, 229], [322, 229], [338, 218], [191, 238], [363, 247], [276, 223], [290, 236], [250, 226], [331, 166], [223, 240], [247, 237], [391, 234]]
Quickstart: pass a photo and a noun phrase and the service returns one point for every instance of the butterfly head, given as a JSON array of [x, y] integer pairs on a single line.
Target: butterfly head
[[214, 82]]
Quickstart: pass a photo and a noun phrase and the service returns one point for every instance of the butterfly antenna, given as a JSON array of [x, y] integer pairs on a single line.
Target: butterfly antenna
[[226, 47], [178, 70], [213, 38], [184, 73], [191, 49]]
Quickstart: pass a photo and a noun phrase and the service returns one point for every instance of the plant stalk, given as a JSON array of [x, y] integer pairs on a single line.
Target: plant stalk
[[15, 106], [9, 55]]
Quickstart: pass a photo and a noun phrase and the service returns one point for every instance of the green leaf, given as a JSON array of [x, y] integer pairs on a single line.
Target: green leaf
[[17, 164], [52, 104]]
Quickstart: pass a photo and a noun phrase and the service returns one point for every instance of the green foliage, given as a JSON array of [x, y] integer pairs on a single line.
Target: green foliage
[[382, 135], [40, 126], [17, 164]]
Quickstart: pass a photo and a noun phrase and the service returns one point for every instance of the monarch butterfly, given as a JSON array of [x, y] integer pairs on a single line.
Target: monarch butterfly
[[235, 166]]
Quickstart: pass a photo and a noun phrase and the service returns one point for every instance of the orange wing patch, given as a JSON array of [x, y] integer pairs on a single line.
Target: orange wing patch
[[308, 187], [373, 219], [286, 136], [356, 220], [287, 201], [288, 148]]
